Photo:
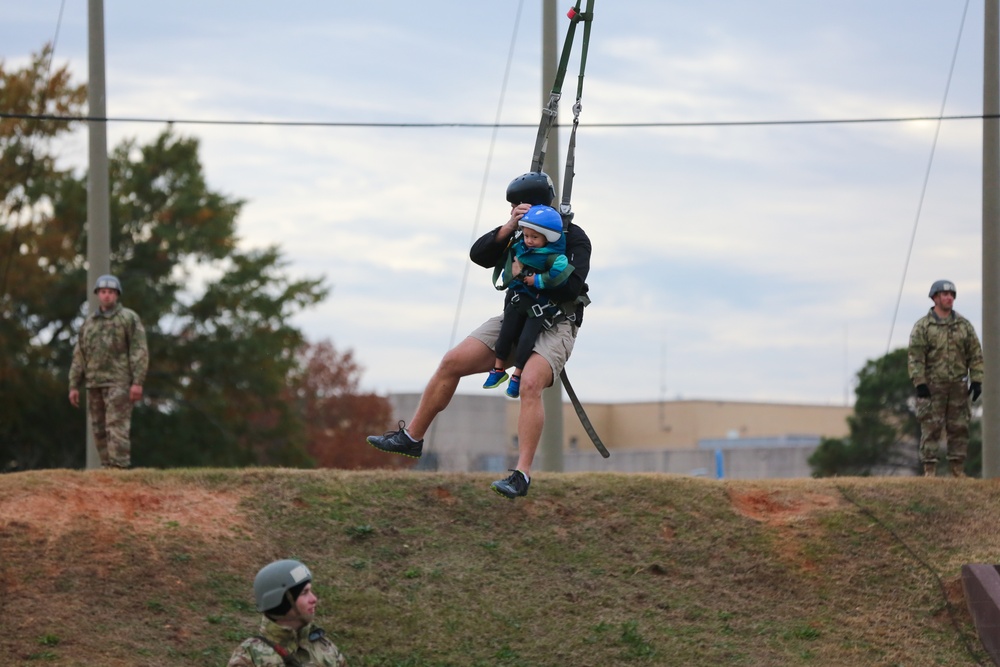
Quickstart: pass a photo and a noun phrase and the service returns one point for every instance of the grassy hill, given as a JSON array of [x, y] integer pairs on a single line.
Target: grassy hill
[[417, 569]]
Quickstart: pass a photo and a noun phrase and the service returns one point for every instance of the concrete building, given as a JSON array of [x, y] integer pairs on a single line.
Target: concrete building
[[733, 439]]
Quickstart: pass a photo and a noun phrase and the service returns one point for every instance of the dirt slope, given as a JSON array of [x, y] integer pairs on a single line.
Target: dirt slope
[[155, 567]]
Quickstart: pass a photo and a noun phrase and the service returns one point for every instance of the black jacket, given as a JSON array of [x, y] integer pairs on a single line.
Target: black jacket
[[487, 252]]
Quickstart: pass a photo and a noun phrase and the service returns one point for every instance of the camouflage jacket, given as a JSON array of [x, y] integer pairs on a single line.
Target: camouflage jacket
[[111, 350], [308, 645], [944, 350]]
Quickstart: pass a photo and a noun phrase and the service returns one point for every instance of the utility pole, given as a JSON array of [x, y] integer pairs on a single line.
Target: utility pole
[[98, 192], [550, 447], [991, 241]]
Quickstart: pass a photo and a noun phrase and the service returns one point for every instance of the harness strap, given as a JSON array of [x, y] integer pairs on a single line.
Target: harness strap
[[551, 110], [567, 185], [504, 269], [286, 657], [582, 414]]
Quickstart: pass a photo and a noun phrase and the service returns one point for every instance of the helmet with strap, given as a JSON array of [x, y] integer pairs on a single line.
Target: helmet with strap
[[275, 579]]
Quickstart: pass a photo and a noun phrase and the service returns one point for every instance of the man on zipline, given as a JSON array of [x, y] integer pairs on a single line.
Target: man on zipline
[[476, 354]]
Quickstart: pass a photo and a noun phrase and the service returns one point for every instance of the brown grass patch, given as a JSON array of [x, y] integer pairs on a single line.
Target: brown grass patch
[[68, 499]]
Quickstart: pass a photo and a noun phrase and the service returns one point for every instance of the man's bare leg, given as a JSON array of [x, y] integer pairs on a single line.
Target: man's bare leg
[[469, 357], [536, 376]]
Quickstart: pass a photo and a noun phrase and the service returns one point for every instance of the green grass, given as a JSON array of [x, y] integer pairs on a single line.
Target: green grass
[[420, 569]]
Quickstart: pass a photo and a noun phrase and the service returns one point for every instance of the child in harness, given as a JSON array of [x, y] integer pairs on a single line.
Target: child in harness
[[540, 250]]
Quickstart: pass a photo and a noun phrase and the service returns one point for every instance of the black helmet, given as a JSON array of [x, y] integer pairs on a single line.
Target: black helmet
[[533, 188], [942, 286]]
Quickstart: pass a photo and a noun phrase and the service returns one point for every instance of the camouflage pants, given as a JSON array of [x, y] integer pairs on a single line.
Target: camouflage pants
[[111, 418], [946, 412]]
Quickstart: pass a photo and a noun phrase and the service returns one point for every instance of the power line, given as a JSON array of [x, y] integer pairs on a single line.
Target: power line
[[495, 125]]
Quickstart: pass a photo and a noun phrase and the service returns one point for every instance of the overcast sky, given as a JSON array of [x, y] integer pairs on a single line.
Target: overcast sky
[[732, 262]]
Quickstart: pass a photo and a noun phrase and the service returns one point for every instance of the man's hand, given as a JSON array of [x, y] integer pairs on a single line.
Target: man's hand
[[74, 397], [510, 226], [516, 267], [135, 393], [923, 391], [975, 389]]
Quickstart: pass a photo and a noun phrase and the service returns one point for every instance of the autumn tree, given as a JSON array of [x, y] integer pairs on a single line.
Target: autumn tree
[[38, 247], [337, 414], [224, 355]]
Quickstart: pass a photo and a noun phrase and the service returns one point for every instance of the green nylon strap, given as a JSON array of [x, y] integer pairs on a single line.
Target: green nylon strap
[[551, 111], [504, 268], [565, 208], [286, 657], [560, 278]]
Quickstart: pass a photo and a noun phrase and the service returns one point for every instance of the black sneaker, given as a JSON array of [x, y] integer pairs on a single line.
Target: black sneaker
[[397, 442], [512, 487]]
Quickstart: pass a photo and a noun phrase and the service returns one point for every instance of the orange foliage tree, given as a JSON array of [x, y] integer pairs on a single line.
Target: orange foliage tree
[[337, 415]]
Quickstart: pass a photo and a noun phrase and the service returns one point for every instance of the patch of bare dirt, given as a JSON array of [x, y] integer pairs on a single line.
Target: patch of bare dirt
[[790, 514], [53, 510], [778, 507]]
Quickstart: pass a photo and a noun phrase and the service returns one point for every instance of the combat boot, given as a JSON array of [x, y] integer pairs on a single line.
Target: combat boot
[[930, 470], [957, 468]]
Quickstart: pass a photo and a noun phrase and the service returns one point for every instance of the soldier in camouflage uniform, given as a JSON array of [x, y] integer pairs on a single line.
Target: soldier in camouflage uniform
[[110, 360], [946, 366], [287, 634]]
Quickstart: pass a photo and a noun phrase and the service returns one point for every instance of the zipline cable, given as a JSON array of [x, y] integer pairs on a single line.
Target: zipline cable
[[927, 177], [486, 170]]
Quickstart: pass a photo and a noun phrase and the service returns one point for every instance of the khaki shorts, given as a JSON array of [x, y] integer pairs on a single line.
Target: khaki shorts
[[554, 345]]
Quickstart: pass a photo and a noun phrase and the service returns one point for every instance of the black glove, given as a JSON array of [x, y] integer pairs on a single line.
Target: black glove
[[975, 389], [923, 391]]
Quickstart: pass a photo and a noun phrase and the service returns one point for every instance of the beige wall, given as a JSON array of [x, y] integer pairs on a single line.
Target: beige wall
[[681, 424], [478, 432]]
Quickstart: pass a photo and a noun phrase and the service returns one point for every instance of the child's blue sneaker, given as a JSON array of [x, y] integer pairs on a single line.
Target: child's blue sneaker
[[495, 379], [514, 386]]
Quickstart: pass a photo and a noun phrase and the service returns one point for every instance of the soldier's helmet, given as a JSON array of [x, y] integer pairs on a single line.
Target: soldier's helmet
[[109, 282], [533, 188], [942, 286], [274, 579]]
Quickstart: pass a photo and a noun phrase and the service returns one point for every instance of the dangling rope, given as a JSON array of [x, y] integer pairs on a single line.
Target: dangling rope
[[548, 120]]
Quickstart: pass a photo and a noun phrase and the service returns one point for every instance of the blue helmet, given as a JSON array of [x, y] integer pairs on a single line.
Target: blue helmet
[[545, 220]]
